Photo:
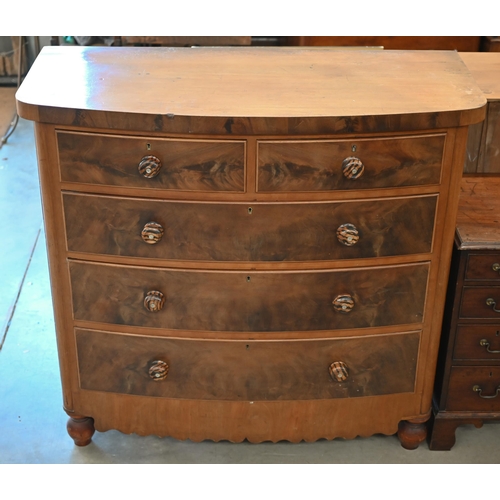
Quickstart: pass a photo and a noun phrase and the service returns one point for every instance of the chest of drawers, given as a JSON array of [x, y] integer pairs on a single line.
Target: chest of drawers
[[249, 243], [468, 378]]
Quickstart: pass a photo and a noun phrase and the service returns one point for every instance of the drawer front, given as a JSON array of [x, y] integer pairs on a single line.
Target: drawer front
[[185, 164], [477, 342], [483, 267], [249, 301], [480, 302], [246, 370], [249, 232], [474, 388], [318, 165]]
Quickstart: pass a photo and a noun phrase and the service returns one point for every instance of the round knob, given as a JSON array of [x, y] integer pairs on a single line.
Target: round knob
[[152, 233], [352, 167], [153, 301], [158, 370], [343, 303], [347, 234], [149, 166], [338, 371]]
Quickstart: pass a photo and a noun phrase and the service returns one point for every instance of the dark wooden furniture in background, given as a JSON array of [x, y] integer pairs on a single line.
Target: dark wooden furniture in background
[[468, 377], [256, 245], [460, 43], [483, 147]]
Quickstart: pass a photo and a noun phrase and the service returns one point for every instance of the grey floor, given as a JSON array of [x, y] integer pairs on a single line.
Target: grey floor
[[32, 422]]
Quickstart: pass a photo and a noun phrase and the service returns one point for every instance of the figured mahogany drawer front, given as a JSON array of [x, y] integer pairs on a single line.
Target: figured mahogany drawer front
[[474, 388], [478, 342], [249, 301], [250, 232], [480, 302], [483, 267], [246, 370], [183, 164], [376, 163]]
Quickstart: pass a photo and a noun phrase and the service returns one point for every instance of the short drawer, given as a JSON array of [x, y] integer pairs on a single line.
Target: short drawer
[[474, 388], [483, 267], [354, 164], [249, 232], [477, 342], [480, 302], [190, 165], [251, 300], [247, 370]]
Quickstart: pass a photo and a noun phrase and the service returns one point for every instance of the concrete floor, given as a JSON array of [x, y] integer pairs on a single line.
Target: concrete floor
[[32, 422]]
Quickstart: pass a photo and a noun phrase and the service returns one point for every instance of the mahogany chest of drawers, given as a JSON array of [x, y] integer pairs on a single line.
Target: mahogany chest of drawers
[[249, 243], [468, 377]]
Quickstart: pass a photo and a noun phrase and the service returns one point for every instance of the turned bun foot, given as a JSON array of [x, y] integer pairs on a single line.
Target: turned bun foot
[[411, 434], [81, 429]]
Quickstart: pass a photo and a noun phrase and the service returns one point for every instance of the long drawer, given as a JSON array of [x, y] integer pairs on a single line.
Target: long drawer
[[249, 232], [480, 302], [190, 165], [477, 342], [356, 164], [249, 301], [247, 370]]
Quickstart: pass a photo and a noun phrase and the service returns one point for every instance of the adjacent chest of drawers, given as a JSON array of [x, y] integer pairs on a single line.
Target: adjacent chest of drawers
[[249, 244], [468, 377]]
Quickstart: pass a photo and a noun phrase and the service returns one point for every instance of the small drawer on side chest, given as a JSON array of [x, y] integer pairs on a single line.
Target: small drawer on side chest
[[247, 370], [345, 165], [480, 302], [191, 165], [474, 388], [483, 267], [477, 342], [270, 232]]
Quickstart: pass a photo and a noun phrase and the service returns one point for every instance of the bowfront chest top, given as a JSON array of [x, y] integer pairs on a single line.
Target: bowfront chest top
[[249, 243]]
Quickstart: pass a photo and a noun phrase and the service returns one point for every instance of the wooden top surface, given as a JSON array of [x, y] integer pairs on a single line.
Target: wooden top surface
[[250, 89], [485, 68], [478, 218]]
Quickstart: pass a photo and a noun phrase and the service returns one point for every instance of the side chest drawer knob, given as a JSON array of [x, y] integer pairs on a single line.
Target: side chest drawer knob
[[490, 302], [149, 166], [479, 391], [158, 370], [352, 168], [343, 303], [152, 233], [496, 267], [485, 343], [338, 371], [348, 234], [153, 301]]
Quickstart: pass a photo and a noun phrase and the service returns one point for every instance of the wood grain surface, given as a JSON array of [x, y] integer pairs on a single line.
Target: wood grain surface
[[250, 370], [478, 217], [185, 164], [273, 232], [250, 90], [249, 301], [316, 165]]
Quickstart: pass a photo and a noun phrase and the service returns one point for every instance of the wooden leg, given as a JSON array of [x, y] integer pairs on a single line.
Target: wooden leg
[[81, 429], [411, 433], [442, 434]]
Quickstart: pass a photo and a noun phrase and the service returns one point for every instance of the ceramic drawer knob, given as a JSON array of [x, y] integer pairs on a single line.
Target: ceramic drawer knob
[[343, 303], [479, 391], [149, 166], [338, 371], [352, 168], [348, 234], [152, 233], [154, 301], [158, 370]]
